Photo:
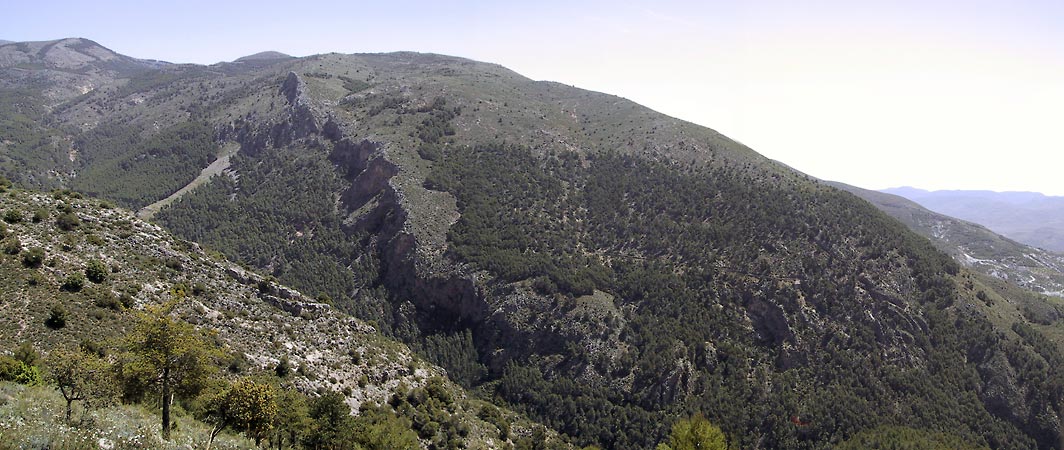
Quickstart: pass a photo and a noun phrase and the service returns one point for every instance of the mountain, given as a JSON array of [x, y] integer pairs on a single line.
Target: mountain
[[260, 56], [258, 322], [974, 245], [1029, 217], [594, 264]]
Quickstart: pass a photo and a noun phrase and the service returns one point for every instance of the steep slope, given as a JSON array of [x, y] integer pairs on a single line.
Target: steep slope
[[598, 265], [1028, 217], [257, 321], [974, 245]]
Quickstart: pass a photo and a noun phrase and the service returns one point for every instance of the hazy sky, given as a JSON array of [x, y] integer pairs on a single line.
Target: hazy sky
[[934, 94]]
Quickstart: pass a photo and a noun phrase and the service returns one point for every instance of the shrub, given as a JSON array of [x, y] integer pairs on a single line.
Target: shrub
[[11, 369], [73, 283], [283, 367], [35, 279], [33, 258], [26, 353], [104, 298], [94, 240], [12, 246], [3, 230], [127, 300], [40, 215], [96, 271], [57, 317], [68, 242], [174, 264], [68, 221], [13, 216]]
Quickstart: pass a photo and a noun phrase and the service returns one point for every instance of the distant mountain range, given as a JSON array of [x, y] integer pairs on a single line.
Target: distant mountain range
[[974, 245], [1028, 217]]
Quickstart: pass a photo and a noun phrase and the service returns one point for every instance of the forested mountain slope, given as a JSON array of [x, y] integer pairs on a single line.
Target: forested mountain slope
[[602, 267]]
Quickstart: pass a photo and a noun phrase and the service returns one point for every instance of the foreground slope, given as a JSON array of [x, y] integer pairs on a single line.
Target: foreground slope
[[600, 266], [257, 321]]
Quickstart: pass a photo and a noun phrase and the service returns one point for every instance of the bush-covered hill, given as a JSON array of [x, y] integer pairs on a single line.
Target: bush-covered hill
[[75, 273], [601, 267]]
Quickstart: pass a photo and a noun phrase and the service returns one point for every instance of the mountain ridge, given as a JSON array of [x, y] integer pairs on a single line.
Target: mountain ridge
[[597, 265]]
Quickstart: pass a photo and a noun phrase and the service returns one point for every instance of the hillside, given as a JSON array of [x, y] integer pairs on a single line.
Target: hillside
[[260, 324], [1028, 217], [596, 265], [974, 245]]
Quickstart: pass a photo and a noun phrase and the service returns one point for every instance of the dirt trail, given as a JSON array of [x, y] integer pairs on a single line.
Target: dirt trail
[[211, 170]]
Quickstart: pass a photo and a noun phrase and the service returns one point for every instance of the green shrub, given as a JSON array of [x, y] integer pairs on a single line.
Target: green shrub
[[94, 240], [96, 271], [284, 367], [57, 317], [104, 298], [68, 221], [13, 216], [12, 246], [27, 354], [73, 283], [127, 300], [68, 242], [35, 279], [40, 215], [12, 369], [33, 258]]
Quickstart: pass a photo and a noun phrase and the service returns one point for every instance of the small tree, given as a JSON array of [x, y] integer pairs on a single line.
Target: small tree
[[57, 317], [246, 406], [695, 433], [81, 376], [331, 417], [171, 355], [292, 421]]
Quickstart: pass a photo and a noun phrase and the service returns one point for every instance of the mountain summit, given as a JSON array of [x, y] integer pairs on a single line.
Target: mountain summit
[[597, 265]]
